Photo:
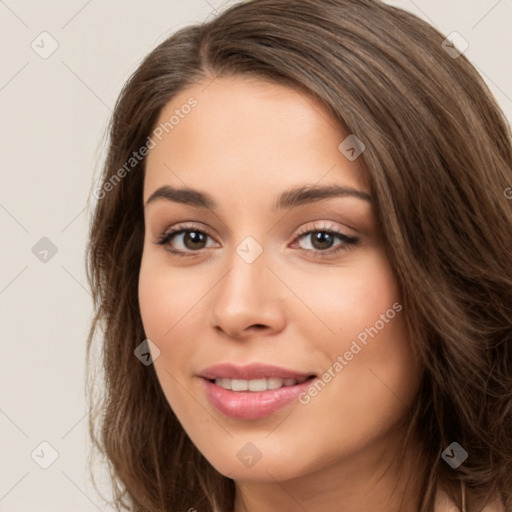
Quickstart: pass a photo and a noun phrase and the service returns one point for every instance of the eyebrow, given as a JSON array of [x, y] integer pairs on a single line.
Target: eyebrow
[[289, 199]]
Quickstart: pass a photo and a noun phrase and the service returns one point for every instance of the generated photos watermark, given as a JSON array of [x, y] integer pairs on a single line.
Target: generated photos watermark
[[343, 360], [139, 155]]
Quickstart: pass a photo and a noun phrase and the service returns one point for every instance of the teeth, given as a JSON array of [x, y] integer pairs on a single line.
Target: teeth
[[257, 384], [239, 385], [225, 383], [274, 383]]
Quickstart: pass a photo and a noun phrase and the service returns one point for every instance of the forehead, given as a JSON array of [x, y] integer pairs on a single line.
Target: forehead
[[250, 134]]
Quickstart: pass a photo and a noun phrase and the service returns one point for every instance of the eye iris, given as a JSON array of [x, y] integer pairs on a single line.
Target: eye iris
[[195, 238], [322, 240]]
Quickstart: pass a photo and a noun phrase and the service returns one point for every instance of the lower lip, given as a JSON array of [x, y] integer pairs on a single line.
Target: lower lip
[[252, 405]]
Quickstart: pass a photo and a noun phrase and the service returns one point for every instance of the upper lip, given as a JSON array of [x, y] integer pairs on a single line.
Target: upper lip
[[250, 372]]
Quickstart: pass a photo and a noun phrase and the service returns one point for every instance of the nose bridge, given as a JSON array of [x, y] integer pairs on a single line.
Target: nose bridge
[[246, 295], [242, 288]]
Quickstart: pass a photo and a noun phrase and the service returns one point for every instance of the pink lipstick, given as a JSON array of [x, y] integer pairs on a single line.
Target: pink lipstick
[[252, 391]]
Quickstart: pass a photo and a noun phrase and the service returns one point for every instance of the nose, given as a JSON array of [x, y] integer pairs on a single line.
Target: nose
[[248, 300]]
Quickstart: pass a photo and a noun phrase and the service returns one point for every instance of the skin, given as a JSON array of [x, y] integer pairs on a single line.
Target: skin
[[244, 143]]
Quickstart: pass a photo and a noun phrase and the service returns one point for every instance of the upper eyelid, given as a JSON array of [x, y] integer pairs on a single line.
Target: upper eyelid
[[301, 231]]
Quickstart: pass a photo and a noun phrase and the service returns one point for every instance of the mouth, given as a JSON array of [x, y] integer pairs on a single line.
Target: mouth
[[253, 391]]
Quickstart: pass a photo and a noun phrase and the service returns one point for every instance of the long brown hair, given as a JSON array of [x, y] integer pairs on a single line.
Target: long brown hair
[[439, 161]]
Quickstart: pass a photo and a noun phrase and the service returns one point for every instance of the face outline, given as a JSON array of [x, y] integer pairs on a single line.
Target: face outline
[[246, 142]]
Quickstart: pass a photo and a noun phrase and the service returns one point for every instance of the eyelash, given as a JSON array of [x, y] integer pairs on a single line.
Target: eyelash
[[348, 242]]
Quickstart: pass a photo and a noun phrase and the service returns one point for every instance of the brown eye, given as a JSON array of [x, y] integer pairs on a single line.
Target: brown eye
[[184, 242], [194, 240], [322, 241]]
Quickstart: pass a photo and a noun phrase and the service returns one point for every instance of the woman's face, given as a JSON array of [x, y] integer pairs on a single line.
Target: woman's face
[[281, 337]]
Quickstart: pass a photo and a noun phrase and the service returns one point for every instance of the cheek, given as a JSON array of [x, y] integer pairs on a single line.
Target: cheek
[[367, 359], [165, 301], [172, 306], [166, 297], [344, 302]]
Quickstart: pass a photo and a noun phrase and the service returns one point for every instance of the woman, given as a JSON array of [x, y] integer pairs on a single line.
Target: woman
[[301, 259]]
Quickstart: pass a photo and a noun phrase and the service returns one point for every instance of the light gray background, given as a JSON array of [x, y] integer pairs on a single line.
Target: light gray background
[[54, 113]]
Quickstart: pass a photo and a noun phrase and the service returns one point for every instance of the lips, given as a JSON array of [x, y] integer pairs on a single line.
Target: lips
[[253, 391]]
